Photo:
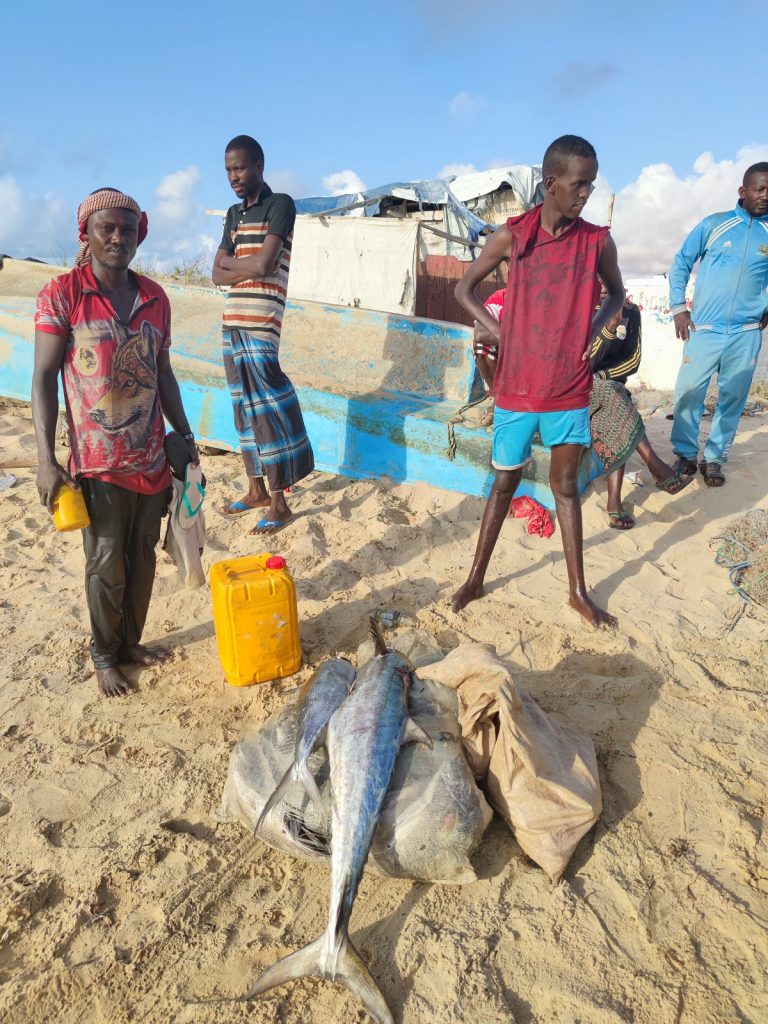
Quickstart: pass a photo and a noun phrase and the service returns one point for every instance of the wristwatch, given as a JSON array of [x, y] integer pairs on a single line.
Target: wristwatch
[[188, 437]]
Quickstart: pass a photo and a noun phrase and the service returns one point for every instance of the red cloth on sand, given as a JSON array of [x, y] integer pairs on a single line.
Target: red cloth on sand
[[539, 518]]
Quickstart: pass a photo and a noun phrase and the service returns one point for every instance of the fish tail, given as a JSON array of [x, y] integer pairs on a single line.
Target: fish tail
[[324, 960], [352, 972], [303, 963], [310, 785], [277, 795], [379, 643]]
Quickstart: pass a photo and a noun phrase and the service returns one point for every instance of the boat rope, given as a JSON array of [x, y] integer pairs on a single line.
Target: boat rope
[[458, 417]]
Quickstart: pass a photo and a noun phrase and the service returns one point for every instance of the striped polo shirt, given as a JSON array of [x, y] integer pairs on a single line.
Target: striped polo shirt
[[257, 305]]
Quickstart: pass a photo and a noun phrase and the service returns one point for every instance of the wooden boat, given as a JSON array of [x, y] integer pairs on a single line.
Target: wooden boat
[[377, 390]]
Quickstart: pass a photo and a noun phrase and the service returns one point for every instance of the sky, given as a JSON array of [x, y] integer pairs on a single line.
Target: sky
[[144, 97]]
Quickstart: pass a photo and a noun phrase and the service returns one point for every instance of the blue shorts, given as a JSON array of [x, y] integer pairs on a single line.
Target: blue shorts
[[513, 433]]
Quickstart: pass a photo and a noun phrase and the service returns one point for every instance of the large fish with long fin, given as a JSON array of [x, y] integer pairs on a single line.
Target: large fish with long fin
[[319, 698], [364, 737]]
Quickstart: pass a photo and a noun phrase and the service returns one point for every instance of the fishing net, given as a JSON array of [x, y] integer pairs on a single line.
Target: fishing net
[[743, 551]]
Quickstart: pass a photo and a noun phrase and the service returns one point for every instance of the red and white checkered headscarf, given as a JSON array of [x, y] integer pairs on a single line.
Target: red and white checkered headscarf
[[104, 199]]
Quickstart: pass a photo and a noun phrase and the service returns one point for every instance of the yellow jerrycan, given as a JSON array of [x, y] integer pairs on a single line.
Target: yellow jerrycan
[[256, 619], [69, 511]]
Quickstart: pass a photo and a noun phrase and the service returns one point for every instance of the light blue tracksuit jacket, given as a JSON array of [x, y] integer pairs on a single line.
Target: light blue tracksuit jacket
[[729, 299]]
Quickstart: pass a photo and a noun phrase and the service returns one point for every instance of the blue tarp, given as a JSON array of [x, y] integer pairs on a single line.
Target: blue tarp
[[435, 192]]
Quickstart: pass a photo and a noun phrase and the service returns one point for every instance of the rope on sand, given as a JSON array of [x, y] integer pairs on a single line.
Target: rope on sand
[[459, 418], [738, 554]]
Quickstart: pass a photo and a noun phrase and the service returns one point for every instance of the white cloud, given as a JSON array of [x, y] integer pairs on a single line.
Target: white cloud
[[176, 198], [653, 215], [43, 226], [34, 225], [11, 209], [464, 105], [342, 183], [178, 225], [448, 170]]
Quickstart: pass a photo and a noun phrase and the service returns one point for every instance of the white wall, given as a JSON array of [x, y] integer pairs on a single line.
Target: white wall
[[662, 351], [365, 262]]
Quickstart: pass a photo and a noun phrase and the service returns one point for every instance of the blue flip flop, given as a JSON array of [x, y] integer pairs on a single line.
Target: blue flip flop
[[235, 509], [273, 525]]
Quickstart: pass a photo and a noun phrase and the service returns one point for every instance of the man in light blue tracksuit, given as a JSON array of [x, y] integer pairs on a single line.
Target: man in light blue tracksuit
[[722, 334]]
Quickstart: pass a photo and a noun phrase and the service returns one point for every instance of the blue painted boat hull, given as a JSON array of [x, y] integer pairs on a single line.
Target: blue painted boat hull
[[377, 390]]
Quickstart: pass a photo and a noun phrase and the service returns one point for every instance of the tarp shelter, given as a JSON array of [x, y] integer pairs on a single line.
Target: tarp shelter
[[400, 248], [354, 261]]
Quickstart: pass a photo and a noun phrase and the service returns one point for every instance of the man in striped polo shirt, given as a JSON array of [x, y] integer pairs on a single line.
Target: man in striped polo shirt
[[253, 260]]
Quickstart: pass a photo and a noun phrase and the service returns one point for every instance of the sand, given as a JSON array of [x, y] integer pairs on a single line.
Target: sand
[[122, 899]]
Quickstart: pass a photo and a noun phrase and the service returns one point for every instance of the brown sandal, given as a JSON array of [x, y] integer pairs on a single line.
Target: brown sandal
[[675, 483], [620, 520]]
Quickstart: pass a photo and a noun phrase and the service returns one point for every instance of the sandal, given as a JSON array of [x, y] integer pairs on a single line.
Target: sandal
[[269, 526], [620, 520], [675, 483], [713, 475], [235, 509], [686, 467]]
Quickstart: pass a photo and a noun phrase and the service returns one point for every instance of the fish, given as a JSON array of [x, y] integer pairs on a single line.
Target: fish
[[364, 737], [318, 699]]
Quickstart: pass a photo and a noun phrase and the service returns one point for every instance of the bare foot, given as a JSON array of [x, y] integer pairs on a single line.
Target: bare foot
[[141, 655], [595, 616], [112, 683], [469, 592]]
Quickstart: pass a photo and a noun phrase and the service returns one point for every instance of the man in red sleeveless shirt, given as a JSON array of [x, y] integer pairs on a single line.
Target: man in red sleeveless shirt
[[543, 379]]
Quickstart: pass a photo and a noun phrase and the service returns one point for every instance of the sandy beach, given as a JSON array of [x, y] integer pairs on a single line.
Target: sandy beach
[[123, 900]]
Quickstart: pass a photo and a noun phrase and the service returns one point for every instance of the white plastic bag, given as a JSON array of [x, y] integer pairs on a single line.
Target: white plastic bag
[[433, 816]]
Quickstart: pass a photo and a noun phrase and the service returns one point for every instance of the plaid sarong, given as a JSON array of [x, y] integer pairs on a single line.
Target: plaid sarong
[[268, 420], [616, 425]]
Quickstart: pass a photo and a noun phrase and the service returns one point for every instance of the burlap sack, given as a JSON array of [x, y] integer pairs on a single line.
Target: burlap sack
[[474, 671], [540, 776]]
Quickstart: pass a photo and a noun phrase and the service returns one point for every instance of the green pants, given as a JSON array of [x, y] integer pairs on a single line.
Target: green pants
[[120, 564]]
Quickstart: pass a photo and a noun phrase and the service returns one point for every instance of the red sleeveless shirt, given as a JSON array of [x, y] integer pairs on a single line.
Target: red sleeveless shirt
[[552, 292]]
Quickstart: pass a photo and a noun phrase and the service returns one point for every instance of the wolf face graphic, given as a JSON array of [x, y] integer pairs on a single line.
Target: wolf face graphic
[[127, 405]]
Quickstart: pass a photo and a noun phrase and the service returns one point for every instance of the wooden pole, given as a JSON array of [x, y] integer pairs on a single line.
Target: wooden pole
[[610, 208]]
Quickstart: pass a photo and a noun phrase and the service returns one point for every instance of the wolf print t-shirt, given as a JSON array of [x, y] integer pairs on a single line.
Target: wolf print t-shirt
[[109, 374]]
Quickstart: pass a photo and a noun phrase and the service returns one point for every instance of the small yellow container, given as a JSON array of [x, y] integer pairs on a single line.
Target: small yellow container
[[256, 619], [69, 511]]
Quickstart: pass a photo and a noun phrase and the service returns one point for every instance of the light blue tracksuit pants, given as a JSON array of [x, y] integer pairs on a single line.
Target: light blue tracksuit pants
[[733, 357]]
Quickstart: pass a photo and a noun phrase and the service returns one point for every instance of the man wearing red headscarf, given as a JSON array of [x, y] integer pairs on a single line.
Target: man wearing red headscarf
[[107, 331]]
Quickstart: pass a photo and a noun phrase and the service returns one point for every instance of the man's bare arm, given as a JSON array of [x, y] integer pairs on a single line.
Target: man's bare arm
[[496, 250], [49, 356], [608, 269], [229, 269], [170, 400]]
